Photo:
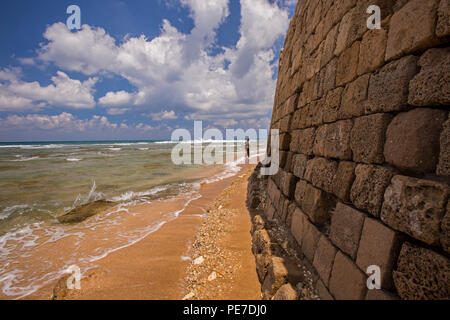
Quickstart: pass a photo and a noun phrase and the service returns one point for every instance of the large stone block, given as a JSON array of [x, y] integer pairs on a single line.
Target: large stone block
[[305, 97], [291, 104], [277, 275], [372, 51], [296, 83], [282, 209], [315, 204], [412, 28], [348, 65], [310, 240], [288, 164], [317, 40], [379, 246], [388, 88], [299, 165], [359, 17], [324, 258], [329, 46], [311, 63], [323, 292], [317, 109], [291, 209], [332, 104], [328, 77], [368, 188], [368, 137], [262, 262], [326, 5], [354, 97], [321, 172], [277, 178], [285, 140], [431, 87], [344, 29], [298, 61], [300, 191], [288, 183], [333, 140], [346, 227], [335, 14], [283, 158], [261, 242], [276, 201], [257, 224], [295, 121], [285, 293], [422, 274], [344, 179], [303, 141], [399, 4], [298, 221], [443, 167], [311, 17], [270, 212], [347, 282], [319, 83], [443, 22], [445, 230], [285, 211], [272, 190], [412, 139], [285, 123], [415, 207], [273, 193], [307, 116]]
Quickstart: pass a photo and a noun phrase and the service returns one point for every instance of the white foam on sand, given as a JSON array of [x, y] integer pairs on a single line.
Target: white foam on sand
[[231, 169]]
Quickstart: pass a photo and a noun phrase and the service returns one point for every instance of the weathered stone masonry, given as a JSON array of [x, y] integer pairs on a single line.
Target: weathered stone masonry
[[364, 148]]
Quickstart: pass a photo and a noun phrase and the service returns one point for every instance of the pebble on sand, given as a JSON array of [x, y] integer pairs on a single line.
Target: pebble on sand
[[212, 276], [199, 260], [189, 296]]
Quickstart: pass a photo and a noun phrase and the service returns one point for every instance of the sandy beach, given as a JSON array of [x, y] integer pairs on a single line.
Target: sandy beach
[[215, 226]]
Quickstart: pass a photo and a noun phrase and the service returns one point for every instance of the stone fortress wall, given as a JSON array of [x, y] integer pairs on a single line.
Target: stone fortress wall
[[364, 149]]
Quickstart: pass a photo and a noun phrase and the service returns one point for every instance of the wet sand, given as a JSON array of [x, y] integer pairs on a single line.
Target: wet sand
[[155, 267]]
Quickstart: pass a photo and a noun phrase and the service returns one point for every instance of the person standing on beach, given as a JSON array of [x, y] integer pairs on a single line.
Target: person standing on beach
[[247, 147]]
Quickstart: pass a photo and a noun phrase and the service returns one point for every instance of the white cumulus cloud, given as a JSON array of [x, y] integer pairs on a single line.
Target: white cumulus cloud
[[172, 69], [177, 69], [64, 92], [164, 115], [115, 99]]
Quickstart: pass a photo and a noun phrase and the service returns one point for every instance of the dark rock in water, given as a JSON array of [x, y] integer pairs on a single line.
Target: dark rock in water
[[83, 212], [60, 290]]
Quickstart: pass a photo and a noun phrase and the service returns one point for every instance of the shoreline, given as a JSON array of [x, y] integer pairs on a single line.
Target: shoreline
[[155, 266]]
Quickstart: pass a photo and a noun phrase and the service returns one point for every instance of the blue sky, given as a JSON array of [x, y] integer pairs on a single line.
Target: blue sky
[[137, 69]]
